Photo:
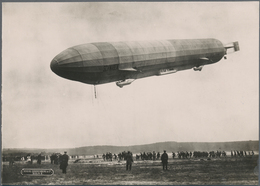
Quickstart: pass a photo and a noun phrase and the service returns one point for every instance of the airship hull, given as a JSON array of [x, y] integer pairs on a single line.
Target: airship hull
[[99, 63]]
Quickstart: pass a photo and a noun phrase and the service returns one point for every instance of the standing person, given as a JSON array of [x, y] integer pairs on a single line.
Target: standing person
[[39, 159], [129, 160], [52, 158], [55, 159], [164, 159], [154, 155], [11, 160], [158, 155], [64, 162]]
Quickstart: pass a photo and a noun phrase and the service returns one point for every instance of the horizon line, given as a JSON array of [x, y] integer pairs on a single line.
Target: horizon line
[[118, 145]]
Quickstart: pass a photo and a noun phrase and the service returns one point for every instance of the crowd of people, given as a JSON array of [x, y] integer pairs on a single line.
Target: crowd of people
[[120, 156], [149, 156], [56, 158], [123, 155], [62, 159], [180, 155], [241, 153], [164, 157], [27, 158]]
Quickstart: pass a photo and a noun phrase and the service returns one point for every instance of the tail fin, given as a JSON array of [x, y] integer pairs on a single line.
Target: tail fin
[[236, 46], [233, 45]]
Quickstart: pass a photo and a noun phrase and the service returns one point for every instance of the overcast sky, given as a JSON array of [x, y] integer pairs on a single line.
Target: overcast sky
[[43, 110]]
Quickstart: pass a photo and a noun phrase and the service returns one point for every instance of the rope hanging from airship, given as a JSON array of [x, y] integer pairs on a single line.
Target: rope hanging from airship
[[95, 91]]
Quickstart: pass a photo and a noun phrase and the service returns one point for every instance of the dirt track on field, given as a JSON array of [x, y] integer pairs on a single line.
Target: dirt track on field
[[218, 171]]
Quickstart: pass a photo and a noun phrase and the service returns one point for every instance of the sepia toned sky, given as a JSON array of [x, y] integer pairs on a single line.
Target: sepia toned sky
[[43, 110]]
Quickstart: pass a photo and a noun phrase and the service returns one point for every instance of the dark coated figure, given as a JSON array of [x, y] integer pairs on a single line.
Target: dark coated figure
[[129, 160], [158, 155], [164, 159], [64, 162], [154, 155], [39, 159], [56, 159], [173, 155], [52, 158], [11, 160]]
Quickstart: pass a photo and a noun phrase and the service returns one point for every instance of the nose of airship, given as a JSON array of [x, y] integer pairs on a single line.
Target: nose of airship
[[54, 66], [64, 62]]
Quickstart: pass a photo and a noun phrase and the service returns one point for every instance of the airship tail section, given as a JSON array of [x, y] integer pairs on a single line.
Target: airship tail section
[[232, 47]]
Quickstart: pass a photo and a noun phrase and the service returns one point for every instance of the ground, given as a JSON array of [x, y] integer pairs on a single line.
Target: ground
[[217, 171]]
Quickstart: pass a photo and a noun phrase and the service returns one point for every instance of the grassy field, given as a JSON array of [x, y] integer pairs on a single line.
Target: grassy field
[[218, 171]]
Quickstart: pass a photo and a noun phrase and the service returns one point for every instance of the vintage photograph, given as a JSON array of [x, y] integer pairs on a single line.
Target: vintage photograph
[[130, 93]]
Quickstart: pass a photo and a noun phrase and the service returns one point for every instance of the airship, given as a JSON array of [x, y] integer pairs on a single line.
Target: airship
[[124, 62]]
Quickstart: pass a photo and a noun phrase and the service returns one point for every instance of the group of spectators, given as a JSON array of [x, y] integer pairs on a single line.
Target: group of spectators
[[123, 155], [62, 160], [149, 156], [108, 156], [180, 154], [241, 153], [55, 158], [211, 154], [199, 154], [28, 158], [120, 156]]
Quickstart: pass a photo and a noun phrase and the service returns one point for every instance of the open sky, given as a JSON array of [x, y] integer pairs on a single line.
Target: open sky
[[43, 110]]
